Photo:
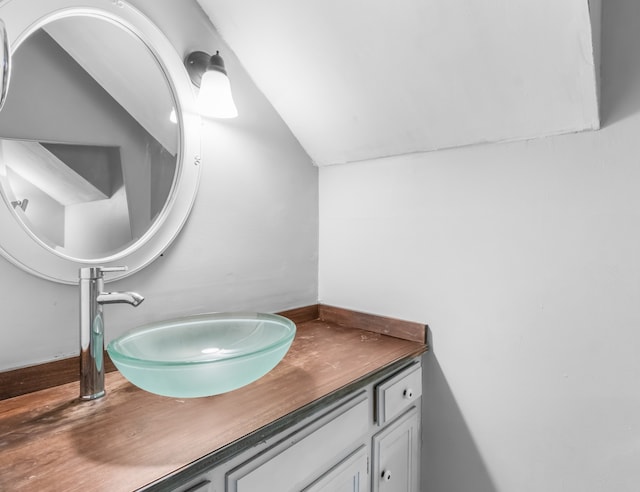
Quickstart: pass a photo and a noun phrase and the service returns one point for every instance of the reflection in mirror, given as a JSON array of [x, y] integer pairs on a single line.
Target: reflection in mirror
[[5, 63], [87, 144]]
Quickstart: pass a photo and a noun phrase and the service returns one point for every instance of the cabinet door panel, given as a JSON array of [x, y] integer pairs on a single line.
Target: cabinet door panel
[[350, 475], [396, 451], [300, 458]]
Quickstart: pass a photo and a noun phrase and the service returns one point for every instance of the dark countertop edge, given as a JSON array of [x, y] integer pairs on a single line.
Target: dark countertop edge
[[219, 456]]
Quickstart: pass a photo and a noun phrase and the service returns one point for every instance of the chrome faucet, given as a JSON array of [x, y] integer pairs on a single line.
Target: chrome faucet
[[92, 297]]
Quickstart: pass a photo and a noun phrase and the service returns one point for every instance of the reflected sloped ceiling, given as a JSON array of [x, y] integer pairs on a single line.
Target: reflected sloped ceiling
[[360, 80]]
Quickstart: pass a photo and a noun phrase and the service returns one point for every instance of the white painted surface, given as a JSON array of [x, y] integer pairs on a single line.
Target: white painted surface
[[45, 214], [35, 164], [250, 243], [364, 79], [138, 73], [595, 12], [108, 233], [524, 260]]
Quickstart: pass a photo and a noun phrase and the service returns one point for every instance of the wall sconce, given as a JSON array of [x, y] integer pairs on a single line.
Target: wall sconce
[[208, 73], [21, 203]]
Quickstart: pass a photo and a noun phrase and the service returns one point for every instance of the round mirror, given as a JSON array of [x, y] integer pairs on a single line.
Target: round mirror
[[98, 139]]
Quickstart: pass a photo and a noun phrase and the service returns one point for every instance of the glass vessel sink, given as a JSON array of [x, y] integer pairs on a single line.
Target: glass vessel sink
[[202, 355]]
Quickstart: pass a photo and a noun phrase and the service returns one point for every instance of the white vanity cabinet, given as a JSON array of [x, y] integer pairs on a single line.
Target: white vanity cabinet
[[367, 439]]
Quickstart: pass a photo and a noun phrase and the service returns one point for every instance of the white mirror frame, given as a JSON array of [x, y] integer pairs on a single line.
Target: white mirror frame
[[21, 246]]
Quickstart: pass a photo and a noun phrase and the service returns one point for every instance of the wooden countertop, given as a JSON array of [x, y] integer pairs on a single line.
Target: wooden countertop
[[49, 440]]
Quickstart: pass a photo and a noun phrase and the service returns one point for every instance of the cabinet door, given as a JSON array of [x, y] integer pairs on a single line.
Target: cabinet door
[[396, 455], [350, 475], [301, 457]]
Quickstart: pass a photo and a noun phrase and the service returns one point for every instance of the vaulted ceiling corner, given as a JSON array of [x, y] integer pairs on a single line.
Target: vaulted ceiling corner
[[357, 81]]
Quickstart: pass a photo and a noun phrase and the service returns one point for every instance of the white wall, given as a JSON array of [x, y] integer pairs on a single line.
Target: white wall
[[97, 227], [524, 259], [251, 241]]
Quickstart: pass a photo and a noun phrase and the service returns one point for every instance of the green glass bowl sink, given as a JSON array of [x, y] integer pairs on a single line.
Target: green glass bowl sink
[[202, 355]]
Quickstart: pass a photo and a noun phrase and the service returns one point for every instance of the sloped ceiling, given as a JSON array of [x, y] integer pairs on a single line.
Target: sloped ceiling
[[364, 79]]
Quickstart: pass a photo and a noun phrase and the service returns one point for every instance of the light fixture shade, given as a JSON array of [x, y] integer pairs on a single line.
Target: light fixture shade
[[215, 98]]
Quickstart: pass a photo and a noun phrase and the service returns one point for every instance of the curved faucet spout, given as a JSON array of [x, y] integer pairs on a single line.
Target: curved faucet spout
[[132, 298]]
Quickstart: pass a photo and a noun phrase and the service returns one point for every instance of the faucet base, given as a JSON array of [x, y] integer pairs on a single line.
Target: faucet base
[[94, 396]]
